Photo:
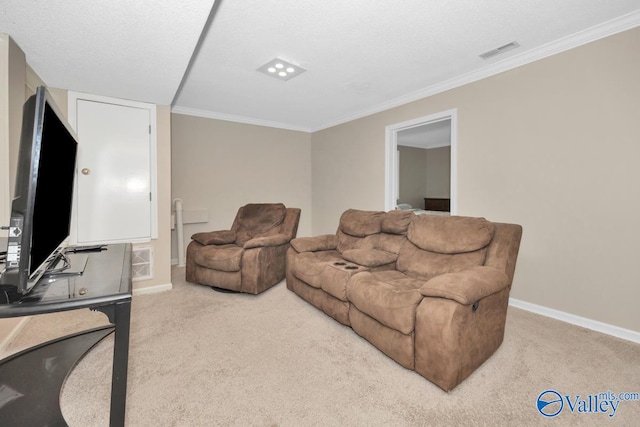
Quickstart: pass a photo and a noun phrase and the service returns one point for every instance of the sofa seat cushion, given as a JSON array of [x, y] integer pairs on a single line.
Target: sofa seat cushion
[[336, 277], [222, 258], [309, 266], [369, 257], [388, 296]]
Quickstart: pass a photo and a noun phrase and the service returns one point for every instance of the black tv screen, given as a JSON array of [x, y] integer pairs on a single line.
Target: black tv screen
[[41, 208], [54, 189]]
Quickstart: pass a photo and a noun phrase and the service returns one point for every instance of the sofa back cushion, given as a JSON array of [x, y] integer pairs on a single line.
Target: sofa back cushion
[[258, 220], [356, 228], [396, 222], [442, 244], [360, 223], [450, 234]]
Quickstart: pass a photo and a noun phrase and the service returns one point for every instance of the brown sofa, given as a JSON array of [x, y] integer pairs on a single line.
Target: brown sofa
[[251, 256], [429, 291]]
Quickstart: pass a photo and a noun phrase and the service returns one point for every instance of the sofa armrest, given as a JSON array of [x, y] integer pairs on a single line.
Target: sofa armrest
[[325, 242], [260, 242], [219, 237], [468, 286]]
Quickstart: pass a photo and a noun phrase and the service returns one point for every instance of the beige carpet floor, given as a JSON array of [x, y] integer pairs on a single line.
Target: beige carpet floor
[[203, 358]]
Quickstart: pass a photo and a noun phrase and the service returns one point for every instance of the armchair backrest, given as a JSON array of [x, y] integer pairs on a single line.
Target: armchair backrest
[[264, 219], [290, 224]]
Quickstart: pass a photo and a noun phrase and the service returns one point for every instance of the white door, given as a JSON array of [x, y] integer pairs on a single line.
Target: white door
[[114, 173]]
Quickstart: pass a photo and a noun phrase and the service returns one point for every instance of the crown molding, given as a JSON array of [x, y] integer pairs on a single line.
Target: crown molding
[[238, 119], [609, 28]]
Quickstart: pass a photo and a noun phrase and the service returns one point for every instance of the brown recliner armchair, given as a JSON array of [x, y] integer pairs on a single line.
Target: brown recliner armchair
[[251, 257]]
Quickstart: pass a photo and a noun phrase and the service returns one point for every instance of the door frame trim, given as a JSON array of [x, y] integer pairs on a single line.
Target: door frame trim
[[72, 110], [391, 156]]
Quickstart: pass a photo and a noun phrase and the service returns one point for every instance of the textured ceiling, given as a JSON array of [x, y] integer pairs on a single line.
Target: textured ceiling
[[361, 56], [132, 49]]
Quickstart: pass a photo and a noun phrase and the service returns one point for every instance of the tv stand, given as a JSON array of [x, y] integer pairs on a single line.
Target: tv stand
[[30, 386]]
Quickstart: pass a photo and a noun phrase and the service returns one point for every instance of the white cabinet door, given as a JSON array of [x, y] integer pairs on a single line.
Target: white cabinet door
[[114, 185]]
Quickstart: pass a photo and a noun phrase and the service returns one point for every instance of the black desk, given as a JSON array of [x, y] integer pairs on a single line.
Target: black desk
[[31, 381]]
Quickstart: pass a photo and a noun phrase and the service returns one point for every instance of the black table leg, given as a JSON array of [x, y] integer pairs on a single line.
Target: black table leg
[[120, 363]]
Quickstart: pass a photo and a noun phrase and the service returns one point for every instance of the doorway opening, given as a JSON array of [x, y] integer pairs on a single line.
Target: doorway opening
[[428, 132]]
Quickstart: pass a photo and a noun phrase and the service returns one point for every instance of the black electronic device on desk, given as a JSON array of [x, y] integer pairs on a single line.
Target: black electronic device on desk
[[40, 216]]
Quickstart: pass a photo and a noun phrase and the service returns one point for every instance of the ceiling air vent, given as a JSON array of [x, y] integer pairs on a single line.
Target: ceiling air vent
[[497, 51]]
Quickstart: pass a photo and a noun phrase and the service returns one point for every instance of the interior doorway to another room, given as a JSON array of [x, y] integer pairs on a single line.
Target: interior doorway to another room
[[421, 162]]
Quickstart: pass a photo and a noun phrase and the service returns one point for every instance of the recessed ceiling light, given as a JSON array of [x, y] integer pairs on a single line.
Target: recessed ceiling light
[[281, 69]]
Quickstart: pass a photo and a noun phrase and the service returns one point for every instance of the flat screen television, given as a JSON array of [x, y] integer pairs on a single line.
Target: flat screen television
[[40, 218]]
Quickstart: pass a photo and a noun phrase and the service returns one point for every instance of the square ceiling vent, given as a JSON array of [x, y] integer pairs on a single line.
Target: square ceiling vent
[[281, 69]]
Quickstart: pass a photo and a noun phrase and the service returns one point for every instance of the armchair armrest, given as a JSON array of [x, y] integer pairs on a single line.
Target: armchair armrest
[[325, 242], [219, 237], [468, 286], [259, 242]]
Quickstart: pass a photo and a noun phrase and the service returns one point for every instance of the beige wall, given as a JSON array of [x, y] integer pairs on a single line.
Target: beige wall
[[438, 171], [5, 186], [12, 97], [347, 164], [412, 176], [552, 145], [423, 173], [12, 84], [218, 166]]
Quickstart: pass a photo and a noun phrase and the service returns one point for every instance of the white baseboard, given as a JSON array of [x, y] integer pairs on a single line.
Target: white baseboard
[[5, 342], [605, 328], [153, 289], [174, 261]]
